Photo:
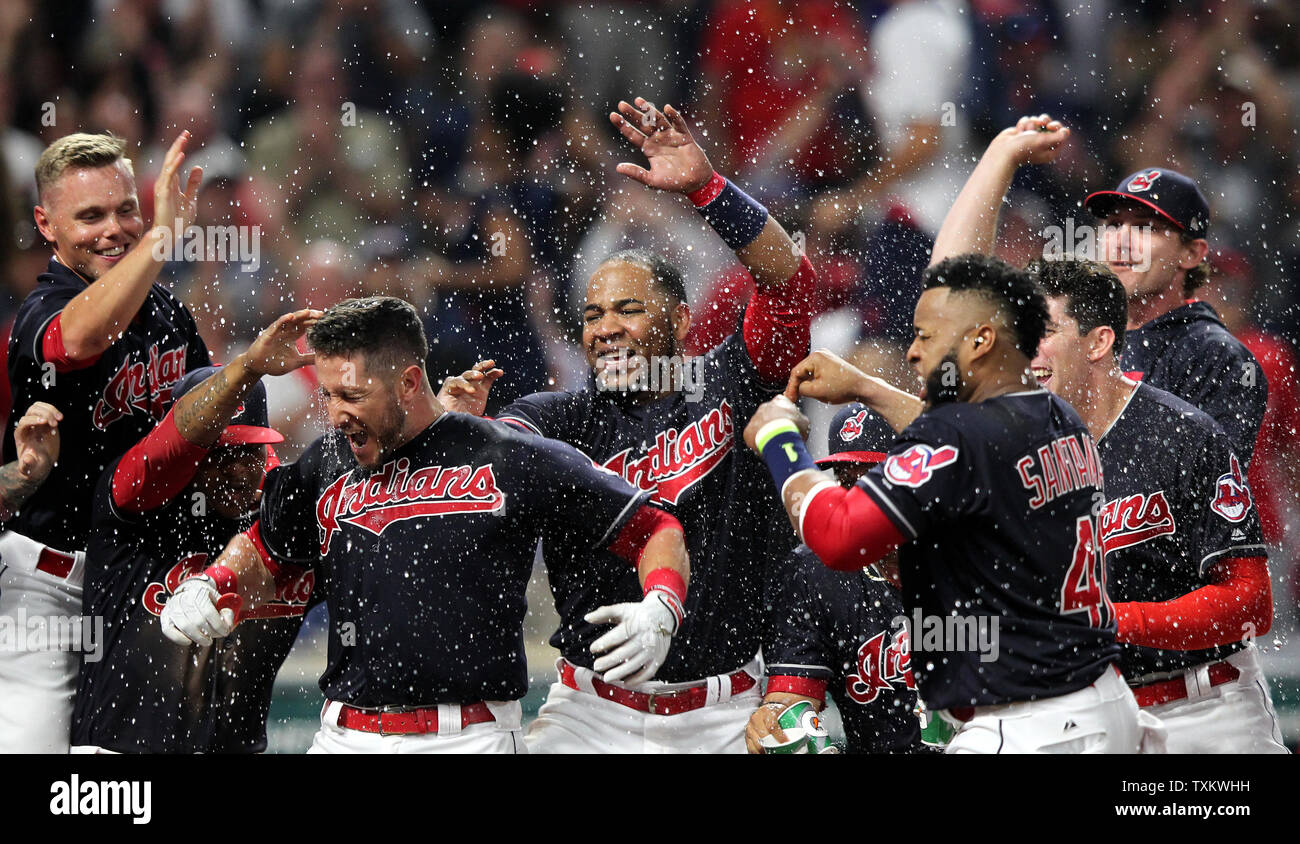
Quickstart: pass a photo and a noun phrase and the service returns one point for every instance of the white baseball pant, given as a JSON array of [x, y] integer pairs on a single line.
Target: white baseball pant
[[41, 637], [1100, 718], [1235, 717], [504, 735], [579, 721]]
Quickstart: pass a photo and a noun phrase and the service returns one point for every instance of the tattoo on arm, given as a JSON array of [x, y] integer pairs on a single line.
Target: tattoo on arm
[[15, 489], [203, 413]]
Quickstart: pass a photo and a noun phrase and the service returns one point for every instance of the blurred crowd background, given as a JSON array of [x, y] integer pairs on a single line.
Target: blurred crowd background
[[459, 154]]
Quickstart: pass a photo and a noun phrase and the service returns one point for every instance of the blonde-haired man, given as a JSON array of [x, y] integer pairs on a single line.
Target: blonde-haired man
[[100, 340]]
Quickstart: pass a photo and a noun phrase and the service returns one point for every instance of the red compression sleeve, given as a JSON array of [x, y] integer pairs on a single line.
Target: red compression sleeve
[[1240, 594], [806, 686], [777, 320], [156, 469], [53, 351], [645, 523], [254, 535], [846, 529]]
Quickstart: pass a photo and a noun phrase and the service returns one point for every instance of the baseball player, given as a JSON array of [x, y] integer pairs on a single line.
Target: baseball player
[[841, 632], [1186, 564], [1153, 238], [993, 493], [674, 438], [421, 527], [163, 512], [100, 340], [1174, 341]]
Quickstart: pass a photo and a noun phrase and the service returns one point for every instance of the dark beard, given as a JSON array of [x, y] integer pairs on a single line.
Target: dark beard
[[389, 439], [936, 391]]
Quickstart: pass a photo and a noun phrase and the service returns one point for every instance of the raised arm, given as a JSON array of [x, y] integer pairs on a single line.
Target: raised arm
[[778, 317], [156, 469], [202, 413], [972, 223], [100, 314], [827, 377], [678, 164]]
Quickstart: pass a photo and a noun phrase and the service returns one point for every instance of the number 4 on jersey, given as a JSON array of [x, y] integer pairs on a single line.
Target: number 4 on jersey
[[1085, 583]]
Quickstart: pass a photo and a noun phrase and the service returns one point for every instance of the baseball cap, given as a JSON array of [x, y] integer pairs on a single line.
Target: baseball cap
[[248, 426], [857, 435], [1167, 192]]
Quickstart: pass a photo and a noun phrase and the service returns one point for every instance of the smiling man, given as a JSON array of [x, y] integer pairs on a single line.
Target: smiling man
[[102, 341], [1185, 562], [674, 438], [1174, 341], [421, 527], [993, 493]]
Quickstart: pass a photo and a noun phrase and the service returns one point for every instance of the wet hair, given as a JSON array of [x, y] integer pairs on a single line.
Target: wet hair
[[667, 276], [80, 149], [1093, 295], [387, 330], [1010, 290]]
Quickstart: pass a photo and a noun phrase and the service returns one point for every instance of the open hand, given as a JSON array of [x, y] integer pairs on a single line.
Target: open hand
[[275, 351], [677, 162]]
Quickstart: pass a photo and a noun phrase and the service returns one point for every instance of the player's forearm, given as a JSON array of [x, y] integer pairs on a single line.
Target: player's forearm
[[203, 413], [897, 407], [759, 241], [254, 582], [666, 549], [1220, 613], [772, 258], [15, 489], [972, 223], [99, 315]]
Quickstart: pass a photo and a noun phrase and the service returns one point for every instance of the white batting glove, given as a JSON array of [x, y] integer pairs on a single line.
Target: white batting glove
[[639, 642], [191, 617]]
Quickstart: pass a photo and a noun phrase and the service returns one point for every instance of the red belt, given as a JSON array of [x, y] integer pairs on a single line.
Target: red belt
[[54, 562], [388, 722], [656, 703], [1154, 694]]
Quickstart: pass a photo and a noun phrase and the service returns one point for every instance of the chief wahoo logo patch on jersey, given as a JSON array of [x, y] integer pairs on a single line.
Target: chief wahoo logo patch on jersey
[[1143, 181], [917, 465], [1231, 494]]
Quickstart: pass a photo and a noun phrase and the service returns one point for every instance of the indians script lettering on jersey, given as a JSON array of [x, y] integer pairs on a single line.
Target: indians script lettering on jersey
[[1178, 504], [142, 386], [292, 590], [395, 493], [880, 666], [684, 454], [1135, 518], [678, 460]]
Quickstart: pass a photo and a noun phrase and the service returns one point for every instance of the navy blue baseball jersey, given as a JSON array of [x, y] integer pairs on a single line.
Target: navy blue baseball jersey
[[1177, 502], [1189, 352], [998, 502], [846, 629], [146, 694], [424, 561], [107, 406], [685, 450]]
